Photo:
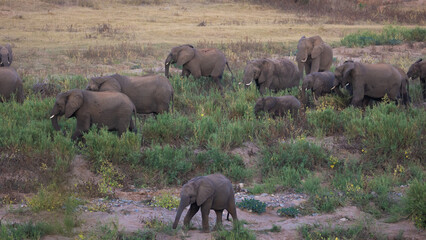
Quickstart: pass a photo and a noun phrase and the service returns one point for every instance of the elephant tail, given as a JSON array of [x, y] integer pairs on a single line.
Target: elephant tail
[[227, 217]]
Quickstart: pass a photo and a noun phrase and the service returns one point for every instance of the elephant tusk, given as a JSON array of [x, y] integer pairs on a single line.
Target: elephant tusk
[[248, 84], [52, 116], [346, 84], [333, 88], [304, 60]]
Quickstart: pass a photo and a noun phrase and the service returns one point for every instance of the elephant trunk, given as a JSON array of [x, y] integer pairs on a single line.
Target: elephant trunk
[[55, 124], [304, 98], [184, 201], [167, 65]]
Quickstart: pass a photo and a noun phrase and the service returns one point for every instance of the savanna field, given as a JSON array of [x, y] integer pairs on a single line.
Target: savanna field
[[333, 171]]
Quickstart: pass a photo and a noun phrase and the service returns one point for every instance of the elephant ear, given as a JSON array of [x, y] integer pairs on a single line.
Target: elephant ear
[[74, 102], [185, 55], [348, 73], [266, 71], [269, 103], [9, 48], [205, 191], [317, 50]]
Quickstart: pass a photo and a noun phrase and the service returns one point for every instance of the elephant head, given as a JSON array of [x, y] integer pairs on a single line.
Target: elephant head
[[264, 104], [343, 74], [105, 83], [66, 103], [197, 190], [6, 56], [258, 71], [414, 70], [312, 46], [179, 55], [308, 83]]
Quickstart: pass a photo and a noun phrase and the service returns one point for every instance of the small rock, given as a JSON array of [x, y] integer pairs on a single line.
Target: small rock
[[343, 219], [264, 195]]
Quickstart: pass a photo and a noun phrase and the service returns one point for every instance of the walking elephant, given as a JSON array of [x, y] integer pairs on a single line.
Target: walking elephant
[[277, 106], [274, 74], [207, 62], [208, 192], [6, 56], [111, 109], [418, 70], [150, 94], [313, 55], [372, 81], [10, 83], [319, 83]]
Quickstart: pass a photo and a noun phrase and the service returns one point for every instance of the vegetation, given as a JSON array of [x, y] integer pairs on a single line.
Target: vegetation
[[252, 205]]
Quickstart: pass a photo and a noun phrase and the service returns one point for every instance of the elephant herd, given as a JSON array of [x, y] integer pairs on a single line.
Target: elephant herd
[[111, 101]]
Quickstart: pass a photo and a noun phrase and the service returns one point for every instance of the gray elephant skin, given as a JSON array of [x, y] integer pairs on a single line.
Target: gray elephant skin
[[45, 90], [206, 192], [150, 94], [320, 83], [372, 81], [111, 109], [10, 83], [313, 55], [418, 70], [277, 106], [207, 62], [273, 74], [6, 56]]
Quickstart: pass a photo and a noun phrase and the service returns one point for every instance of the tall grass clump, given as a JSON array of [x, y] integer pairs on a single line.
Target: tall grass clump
[[415, 203], [238, 232], [389, 35], [28, 230]]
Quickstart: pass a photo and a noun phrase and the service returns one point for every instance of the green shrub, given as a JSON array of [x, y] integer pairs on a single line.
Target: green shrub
[[29, 230], [289, 212], [238, 232], [325, 200], [46, 199], [252, 205], [416, 202], [167, 201]]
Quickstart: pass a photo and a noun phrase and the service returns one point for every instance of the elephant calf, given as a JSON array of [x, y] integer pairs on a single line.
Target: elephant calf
[[319, 83], [277, 106], [111, 109], [418, 70], [208, 192], [10, 83]]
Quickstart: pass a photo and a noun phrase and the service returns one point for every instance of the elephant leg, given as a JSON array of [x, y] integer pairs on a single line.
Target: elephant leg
[[315, 65], [218, 82], [307, 68], [191, 212], [185, 72], [423, 83], [218, 219], [83, 125], [205, 210], [358, 97]]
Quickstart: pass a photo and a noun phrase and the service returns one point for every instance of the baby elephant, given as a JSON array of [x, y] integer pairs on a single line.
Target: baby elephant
[[111, 109], [277, 106], [207, 192], [319, 83]]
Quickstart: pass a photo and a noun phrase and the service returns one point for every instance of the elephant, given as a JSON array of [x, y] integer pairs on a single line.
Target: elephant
[[369, 81], [207, 62], [319, 83], [208, 192], [274, 74], [10, 83], [277, 106], [313, 55], [150, 94], [111, 109], [46, 89], [418, 70], [6, 56]]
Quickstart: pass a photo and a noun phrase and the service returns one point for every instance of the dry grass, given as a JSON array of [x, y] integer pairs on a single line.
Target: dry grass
[[59, 36]]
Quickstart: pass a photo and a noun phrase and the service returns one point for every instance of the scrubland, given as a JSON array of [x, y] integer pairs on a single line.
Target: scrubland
[[372, 158]]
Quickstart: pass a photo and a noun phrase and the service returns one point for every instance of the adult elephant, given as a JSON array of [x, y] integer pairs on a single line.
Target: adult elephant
[[418, 70], [10, 83], [277, 106], [319, 83], [313, 55], [111, 109], [372, 81], [6, 56], [208, 192], [274, 74], [207, 62], [150, 94]]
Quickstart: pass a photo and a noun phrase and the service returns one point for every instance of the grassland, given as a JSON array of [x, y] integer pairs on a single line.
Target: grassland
[[373, 151]]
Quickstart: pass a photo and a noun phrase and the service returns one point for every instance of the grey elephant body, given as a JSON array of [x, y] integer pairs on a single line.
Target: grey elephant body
[[369, 80], [207, 62], [150, 94], [110, 109], [10, 83], [6, 56], [418, 70], [207, 192], [277, 106], [46, 89], [319, 83], [274, 74], [313, 55]]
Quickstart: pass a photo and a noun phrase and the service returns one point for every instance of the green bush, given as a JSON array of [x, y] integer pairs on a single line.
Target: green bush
[[29, 230], [289, 212], [416, 202], [252, 205], [238, 232]]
